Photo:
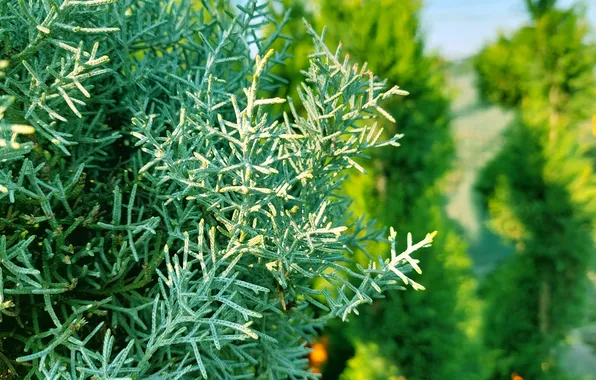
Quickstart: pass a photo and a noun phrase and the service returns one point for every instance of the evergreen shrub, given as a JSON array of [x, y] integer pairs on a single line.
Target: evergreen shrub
[[159, 219]]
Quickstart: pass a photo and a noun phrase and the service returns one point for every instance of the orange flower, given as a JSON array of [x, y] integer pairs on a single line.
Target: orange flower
[[318, 355], [515, 376]]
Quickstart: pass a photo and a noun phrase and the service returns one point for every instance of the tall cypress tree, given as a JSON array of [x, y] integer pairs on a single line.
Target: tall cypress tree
[[540, 189], [416, 333]]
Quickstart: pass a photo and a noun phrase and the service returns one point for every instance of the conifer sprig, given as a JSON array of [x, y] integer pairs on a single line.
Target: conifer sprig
[[164, 221]]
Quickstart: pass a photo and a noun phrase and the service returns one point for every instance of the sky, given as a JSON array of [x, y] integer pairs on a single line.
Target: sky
[[459, 28]]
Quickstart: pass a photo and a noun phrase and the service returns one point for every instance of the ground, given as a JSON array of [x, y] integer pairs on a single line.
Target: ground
[[477, 131]]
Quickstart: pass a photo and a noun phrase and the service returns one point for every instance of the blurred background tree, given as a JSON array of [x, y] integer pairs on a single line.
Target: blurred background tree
[[538, 8], [538, 192], [540, 189], [421, 333]]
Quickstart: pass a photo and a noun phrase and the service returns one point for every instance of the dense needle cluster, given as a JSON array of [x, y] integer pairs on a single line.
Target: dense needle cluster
[[159, 218]]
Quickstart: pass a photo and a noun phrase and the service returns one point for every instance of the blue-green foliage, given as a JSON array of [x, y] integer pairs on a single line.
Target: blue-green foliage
[[161, 222]]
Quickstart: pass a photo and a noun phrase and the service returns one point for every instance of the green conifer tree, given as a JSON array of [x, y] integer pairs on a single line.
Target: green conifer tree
[[404, 189], [158, 219], [540, 189]]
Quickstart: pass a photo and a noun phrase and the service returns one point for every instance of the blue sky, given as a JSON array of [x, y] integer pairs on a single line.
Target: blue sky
[[459, 28]]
